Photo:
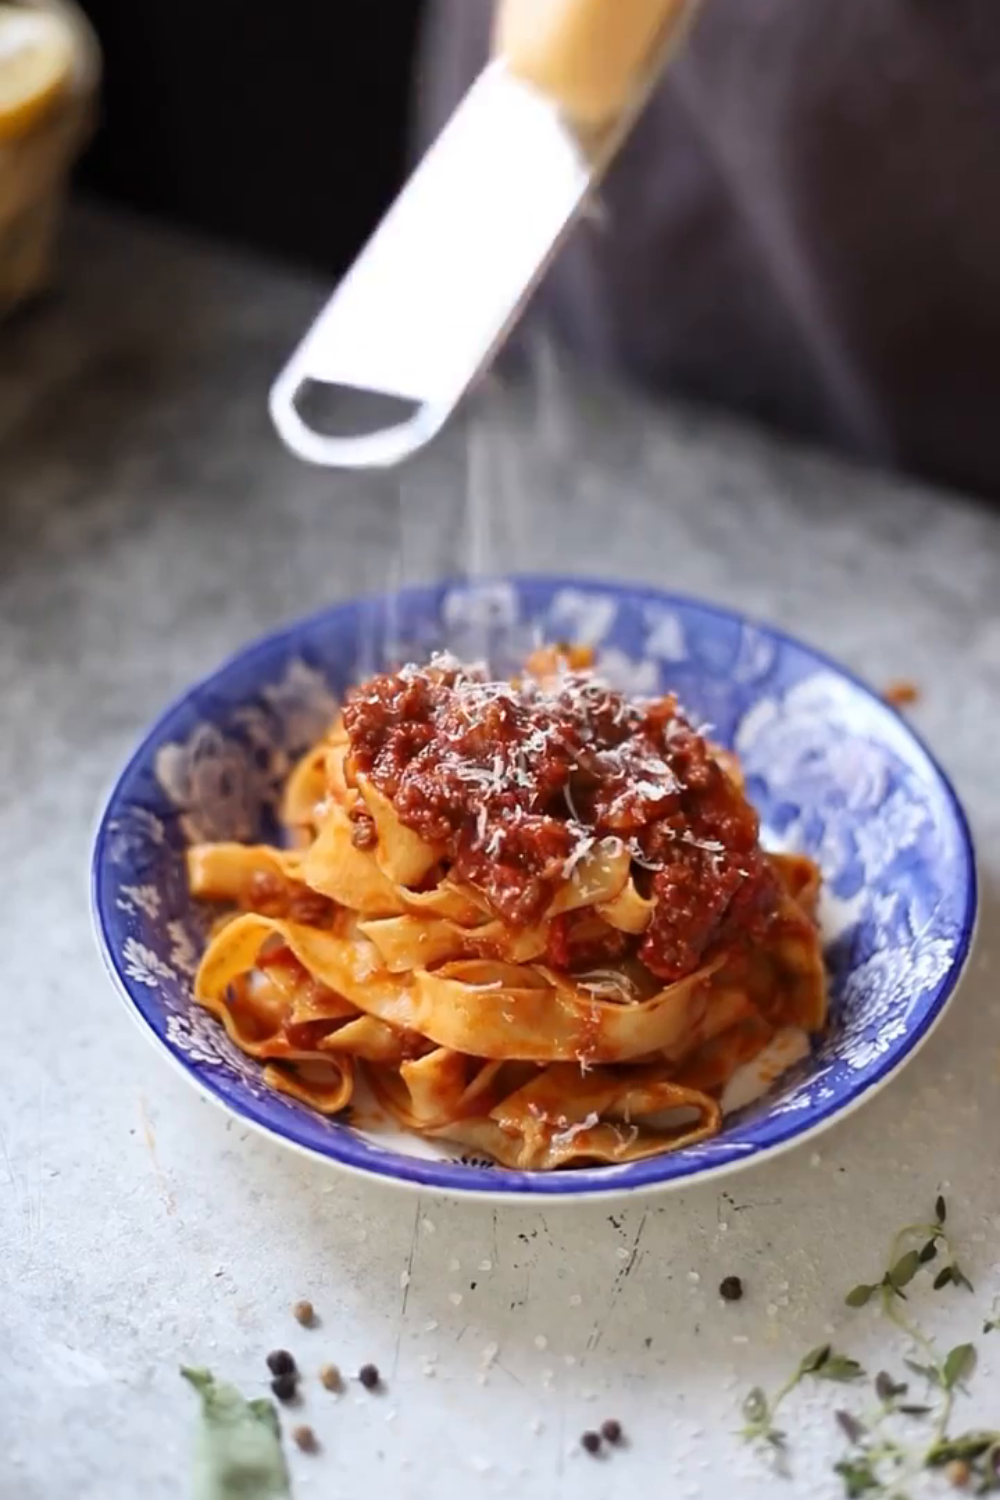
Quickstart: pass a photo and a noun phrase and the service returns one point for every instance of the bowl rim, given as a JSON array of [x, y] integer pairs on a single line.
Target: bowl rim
[[493, 1184]]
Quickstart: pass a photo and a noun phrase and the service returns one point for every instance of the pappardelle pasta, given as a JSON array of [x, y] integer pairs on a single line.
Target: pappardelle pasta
[[535, 915]]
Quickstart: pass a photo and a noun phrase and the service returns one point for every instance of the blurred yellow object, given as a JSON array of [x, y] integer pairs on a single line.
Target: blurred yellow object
[[590, 56], [37, 50], [50, 67]]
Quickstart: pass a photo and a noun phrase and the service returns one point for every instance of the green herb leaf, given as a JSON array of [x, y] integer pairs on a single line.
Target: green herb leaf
[[853, 1429], [815, 1360], [838, 1367], [943, 1277], [238, 1454], [775, 1438], [940, 1209], [859, 1295], [959, 1277], [888, 1389], [927, 1371], [755, 1406], [913, 1410], [958, 1366], [906, 1267], [858, 1476], [966, 1447], [928, 1252]]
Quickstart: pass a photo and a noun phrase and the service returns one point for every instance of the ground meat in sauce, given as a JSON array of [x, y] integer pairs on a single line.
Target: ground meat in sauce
[[274, 896], [364, 834], [514, 780]]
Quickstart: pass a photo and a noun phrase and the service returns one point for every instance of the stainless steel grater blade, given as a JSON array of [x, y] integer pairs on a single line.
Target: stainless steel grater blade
[[444, 278]]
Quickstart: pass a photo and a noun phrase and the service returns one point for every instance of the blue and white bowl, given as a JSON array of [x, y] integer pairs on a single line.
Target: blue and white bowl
[[834, 772]]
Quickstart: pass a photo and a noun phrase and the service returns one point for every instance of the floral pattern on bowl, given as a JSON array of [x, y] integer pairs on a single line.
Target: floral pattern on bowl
[[834, 772]]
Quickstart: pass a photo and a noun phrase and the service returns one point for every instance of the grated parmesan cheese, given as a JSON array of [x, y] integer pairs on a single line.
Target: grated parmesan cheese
[[567, 1135]]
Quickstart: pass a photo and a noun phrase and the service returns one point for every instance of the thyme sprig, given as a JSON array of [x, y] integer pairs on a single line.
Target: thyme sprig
[[906, 1259], [760, 1410], [883, 1456]]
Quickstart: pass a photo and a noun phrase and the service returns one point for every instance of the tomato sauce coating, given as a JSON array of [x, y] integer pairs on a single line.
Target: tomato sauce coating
[[515, 782]]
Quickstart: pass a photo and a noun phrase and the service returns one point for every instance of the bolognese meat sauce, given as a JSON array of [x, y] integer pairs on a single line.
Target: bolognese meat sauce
[[517, 782]]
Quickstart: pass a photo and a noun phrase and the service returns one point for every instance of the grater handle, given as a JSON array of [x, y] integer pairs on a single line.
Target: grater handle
[[424, 309], [382, 449], [421, 314]]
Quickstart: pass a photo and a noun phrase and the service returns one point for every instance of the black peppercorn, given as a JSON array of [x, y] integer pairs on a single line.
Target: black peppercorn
[[731, 1289], [280, 1362], [369, 1377], [591, 1442], [611, 1431], [286, 1387]]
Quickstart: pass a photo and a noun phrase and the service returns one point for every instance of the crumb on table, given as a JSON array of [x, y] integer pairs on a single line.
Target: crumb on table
[[900, 693]]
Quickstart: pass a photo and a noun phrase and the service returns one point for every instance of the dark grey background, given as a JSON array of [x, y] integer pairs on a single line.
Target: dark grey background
[[276, 123]]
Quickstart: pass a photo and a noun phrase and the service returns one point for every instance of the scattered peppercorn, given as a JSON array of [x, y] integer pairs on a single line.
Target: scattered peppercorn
[[286, 1387], [304, 1313], [280, 1362], [305, 1438], [369, 1377], [731, 1289], [330, 1377], [591, 1442], [958, 1473], [611, 1431]]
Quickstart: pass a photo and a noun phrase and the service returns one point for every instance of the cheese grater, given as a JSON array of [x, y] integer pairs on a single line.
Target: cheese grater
[[436, 291]]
